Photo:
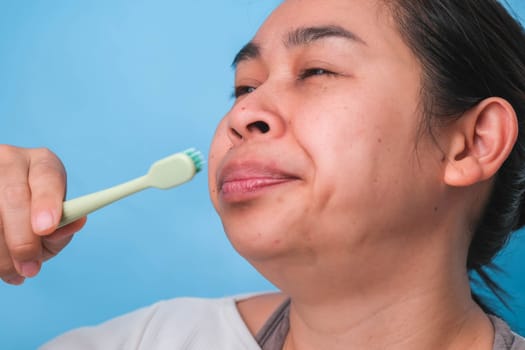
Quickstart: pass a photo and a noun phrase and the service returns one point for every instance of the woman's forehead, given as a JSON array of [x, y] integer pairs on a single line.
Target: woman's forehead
[[368, 22], [348, 12]]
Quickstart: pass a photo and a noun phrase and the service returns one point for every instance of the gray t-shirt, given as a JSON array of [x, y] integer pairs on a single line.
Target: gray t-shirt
[[273, 333], [504, 338]]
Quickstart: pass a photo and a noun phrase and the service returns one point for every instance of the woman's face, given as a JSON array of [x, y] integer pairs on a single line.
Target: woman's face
[[320, 153]]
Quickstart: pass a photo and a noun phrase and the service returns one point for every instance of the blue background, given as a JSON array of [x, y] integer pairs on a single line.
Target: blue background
[[110, 87]]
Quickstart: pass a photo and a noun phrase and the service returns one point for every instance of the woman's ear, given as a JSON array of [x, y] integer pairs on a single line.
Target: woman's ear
[[480, 141]]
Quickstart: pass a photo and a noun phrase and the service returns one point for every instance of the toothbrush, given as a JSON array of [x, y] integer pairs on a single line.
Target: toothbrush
[[165, 173]]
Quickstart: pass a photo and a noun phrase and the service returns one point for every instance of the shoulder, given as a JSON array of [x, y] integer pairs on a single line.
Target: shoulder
[[518, 342], [504, 337], [181, 323]]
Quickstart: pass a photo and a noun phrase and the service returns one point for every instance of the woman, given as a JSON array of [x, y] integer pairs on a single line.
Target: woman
[[373, 157]]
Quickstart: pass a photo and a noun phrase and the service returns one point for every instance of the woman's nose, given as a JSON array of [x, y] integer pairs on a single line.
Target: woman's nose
[[254, 117]]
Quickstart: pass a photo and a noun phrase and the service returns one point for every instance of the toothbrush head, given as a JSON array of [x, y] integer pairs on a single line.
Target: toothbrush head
[[197, 158], [175, 169]]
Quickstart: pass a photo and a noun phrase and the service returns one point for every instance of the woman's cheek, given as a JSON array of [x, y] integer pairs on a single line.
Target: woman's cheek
[[218, 148]]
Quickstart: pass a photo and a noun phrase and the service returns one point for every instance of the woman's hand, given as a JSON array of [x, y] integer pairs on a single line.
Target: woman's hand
[[32, 189]]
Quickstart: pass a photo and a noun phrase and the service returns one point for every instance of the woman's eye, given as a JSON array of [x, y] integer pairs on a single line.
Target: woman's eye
[[312, 72], [242, 90]]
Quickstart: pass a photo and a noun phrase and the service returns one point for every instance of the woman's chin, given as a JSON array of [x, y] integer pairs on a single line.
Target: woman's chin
[[257, 244]]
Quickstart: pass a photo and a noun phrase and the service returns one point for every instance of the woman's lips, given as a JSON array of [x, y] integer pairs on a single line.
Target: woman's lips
[[247, 181]]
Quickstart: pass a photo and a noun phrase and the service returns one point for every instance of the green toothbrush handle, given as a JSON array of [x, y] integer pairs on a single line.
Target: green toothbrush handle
[[77, 208]]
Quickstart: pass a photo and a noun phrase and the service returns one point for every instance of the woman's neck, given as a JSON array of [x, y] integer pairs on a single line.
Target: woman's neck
[[395, 300], [431, 320]]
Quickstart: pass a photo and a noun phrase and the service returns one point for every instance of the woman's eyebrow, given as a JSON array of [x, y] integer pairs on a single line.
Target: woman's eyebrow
[[249, 51], [307, 35], [299, 37]]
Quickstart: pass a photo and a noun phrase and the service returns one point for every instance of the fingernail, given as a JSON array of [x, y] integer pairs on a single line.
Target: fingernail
[[43, 221], [29, 268]]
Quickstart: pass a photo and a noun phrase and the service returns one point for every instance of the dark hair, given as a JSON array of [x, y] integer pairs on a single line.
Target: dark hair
[[471, 50]]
